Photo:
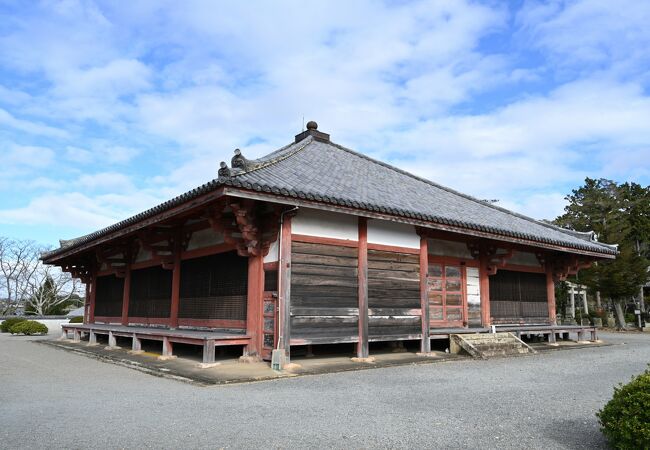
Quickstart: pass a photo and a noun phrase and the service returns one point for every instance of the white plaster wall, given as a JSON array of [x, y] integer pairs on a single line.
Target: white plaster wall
[[53, 325], [274, 252], [313, 222], [204, 238], [524, 259], [441, 247], [392, 233]]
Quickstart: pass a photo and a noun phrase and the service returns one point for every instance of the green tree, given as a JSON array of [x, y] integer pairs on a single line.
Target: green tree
[[617, 213]]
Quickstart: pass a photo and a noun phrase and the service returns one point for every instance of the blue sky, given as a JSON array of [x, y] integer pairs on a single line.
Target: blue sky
[[108, 108]]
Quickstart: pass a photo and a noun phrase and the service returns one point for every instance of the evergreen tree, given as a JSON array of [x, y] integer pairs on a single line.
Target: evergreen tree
[[617, 214]]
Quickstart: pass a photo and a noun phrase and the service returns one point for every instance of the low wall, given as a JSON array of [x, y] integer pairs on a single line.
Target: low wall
[[53, 323]]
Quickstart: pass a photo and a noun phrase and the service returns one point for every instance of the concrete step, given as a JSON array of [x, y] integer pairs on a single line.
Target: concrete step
[[489, 345]]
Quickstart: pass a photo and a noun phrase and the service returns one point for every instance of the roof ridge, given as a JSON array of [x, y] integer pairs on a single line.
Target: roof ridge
[[278, 159], [452, 191]]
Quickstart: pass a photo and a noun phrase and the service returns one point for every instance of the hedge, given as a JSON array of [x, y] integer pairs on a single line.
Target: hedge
[[77, 319], [28, 327], [6, 324], [625, 419]]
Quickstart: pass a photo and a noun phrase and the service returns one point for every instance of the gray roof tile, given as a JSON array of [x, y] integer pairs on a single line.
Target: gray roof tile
[[328, 172]]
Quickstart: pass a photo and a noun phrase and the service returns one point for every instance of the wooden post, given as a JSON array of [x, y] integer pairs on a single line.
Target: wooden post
[[126, 294], [176, 283], [425, 346], [484, 281], [255, 305], [93, 295], [208, 351], [550, 295], [362, 346], [285, 289]]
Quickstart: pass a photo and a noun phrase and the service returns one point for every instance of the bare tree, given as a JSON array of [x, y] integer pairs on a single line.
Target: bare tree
[[19, 260], [48, 288]]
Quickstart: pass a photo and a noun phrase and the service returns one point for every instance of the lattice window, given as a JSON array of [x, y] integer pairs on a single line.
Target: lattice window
[[151, 291], [108, 299], [515, 295], [214, 287]]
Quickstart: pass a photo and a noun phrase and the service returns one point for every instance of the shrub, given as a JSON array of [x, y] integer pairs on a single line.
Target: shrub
[[6, 325], [77, 319], [28, 327], [625, 419]]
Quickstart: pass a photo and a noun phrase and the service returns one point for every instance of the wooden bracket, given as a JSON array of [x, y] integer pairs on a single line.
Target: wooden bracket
[[242, 224]]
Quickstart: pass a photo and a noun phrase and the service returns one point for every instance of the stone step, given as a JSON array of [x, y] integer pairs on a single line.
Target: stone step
[[489, 345]]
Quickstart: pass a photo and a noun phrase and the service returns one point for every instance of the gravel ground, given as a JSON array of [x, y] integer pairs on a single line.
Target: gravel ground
[[55, 399]]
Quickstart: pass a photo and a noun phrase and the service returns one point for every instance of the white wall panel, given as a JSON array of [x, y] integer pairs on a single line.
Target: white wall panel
[[392, 233], [313, 222]]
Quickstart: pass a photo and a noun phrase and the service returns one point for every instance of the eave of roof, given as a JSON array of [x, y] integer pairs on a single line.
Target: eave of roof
[[238, 179]]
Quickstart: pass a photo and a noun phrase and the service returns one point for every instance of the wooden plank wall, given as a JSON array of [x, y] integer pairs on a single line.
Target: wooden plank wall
[[324, 293], [394, 294]]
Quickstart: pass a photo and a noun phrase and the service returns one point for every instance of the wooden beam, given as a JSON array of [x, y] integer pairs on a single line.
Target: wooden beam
[[362, 345], [284, 288], [425, 346], [176, 282], [550, 295], [255, 305]]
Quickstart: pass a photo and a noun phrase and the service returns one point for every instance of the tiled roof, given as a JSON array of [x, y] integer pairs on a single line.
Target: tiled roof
[[314, 168]]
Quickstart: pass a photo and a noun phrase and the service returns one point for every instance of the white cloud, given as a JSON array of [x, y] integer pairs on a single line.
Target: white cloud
[[106, 181], [446, 89], [589, 31], [35, 128], [21, 156], [74, 210]]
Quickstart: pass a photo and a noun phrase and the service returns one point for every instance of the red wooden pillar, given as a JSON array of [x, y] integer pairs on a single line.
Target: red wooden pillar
[[255, 305], [176, 285], [362, 346], [126, 295], [550, 294], [285, 288], [484, 281], [425, 346], [93, 295]]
